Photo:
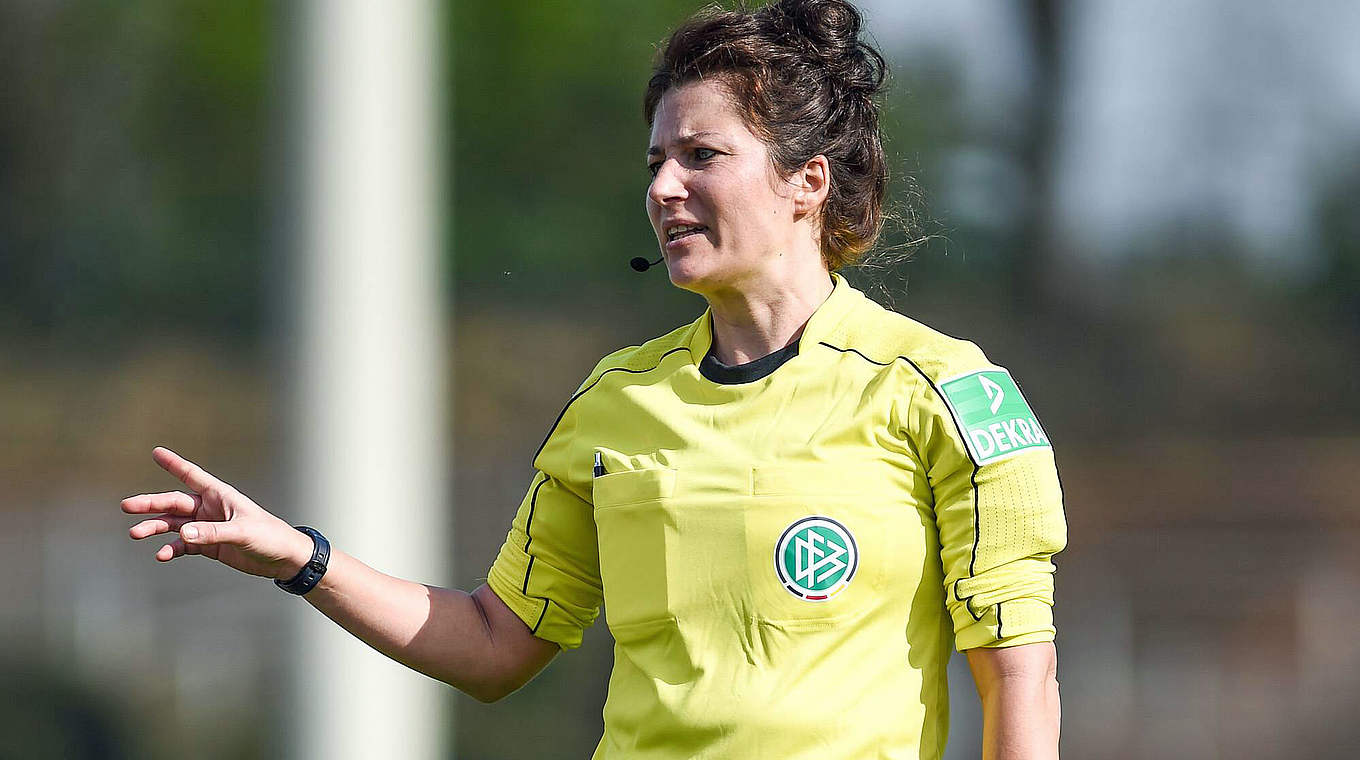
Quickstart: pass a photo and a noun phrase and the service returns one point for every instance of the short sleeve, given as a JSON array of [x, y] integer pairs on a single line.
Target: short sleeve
[[548, 569], [998, 508]]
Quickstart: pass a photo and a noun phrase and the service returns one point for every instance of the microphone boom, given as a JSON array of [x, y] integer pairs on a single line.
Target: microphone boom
[[640, 264]]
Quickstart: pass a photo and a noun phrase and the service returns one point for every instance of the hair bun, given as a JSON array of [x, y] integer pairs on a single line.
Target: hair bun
[[832, 28]]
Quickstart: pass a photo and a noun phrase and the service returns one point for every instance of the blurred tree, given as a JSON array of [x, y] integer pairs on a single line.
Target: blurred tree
[[1338, 282], [132, 140], [1034, 255]]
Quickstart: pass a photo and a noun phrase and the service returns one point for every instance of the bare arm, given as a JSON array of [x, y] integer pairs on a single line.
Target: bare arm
[[470, 641], [1018, 687]]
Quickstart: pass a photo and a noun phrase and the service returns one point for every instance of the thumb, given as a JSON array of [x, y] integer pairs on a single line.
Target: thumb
[[208, 533]]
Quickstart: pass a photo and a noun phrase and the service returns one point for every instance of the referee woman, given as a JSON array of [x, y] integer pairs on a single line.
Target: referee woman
[[792, 508]]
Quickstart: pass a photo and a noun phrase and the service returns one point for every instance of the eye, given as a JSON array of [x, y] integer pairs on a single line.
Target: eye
[[703, 154], [653, 168]]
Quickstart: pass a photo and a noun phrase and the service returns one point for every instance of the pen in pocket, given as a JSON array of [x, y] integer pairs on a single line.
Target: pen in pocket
[[599, 465]]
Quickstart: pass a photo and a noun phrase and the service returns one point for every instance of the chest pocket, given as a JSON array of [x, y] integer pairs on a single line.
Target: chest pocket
[[672, 548], [634, 527]]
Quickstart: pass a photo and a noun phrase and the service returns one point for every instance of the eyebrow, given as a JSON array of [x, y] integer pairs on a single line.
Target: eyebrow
[[655, 150]]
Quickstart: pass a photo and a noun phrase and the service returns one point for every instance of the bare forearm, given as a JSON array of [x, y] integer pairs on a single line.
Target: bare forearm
[[1021, 712], [1021, 720], [443, 633]]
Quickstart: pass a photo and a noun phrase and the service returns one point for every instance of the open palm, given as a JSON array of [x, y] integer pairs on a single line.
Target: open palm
[[217, 521]]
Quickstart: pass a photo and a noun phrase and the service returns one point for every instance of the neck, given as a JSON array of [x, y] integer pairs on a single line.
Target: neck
[[752, 322]]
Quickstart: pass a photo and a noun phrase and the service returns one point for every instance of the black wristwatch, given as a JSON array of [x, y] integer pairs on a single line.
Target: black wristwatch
[[311, 573]]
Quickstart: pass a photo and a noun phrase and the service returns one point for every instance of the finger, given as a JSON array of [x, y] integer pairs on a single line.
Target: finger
[[202, 534], [156, 526], [170, 502], [189, 474], [170, 551]]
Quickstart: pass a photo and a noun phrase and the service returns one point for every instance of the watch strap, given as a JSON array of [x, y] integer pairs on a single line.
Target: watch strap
[[310, 574]]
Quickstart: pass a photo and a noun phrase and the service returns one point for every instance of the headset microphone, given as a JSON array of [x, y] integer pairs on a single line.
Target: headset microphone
[[640, 264]]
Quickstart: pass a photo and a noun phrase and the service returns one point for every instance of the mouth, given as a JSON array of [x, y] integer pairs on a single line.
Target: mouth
[[681, 231]]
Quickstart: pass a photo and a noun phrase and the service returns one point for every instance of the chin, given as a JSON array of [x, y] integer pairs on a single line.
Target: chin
[[686, 275], [701, 270]]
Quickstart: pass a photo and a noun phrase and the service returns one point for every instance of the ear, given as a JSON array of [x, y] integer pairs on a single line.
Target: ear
[[812, 183]]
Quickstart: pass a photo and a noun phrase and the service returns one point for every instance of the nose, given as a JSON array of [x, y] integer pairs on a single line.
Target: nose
[[667, 185]]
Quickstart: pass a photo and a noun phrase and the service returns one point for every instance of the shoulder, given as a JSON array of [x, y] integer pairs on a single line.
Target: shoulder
[[991, 420], [885, 337], [642, 358], [627, 361]]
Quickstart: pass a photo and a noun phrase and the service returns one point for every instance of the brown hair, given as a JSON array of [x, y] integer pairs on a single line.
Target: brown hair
[[805, 83]]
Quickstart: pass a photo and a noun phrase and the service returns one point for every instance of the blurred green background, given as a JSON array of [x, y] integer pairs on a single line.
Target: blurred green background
[[1147, 212]]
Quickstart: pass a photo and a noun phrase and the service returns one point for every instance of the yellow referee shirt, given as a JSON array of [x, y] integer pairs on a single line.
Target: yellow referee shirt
[[787, 552]]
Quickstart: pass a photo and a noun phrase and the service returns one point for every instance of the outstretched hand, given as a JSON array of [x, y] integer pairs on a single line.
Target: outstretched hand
[[217, 521]]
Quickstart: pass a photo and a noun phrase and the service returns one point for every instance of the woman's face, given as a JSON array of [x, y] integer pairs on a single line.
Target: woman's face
[[710, 173]]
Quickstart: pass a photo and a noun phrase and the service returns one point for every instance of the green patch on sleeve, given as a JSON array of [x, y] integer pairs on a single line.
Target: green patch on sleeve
[[996, 420]]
